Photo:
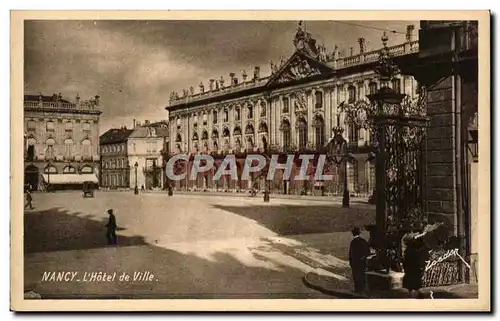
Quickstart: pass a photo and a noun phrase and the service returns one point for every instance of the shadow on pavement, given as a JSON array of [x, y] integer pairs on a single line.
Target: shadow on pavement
[[297, 219], [57, 230]]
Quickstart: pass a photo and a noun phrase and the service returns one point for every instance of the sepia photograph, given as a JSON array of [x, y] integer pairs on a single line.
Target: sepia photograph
[[323, 157]]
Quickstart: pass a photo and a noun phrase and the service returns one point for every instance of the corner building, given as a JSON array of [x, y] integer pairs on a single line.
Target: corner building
[[61, 141], [292, 110]]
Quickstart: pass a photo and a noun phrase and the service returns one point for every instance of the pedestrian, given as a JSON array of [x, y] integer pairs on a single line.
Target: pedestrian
[[111, 228], [415, 253], [29, 200], [358, 252]]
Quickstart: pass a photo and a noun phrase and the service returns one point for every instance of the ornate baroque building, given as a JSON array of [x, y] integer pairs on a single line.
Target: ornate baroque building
[[61, 141], [292, 110]]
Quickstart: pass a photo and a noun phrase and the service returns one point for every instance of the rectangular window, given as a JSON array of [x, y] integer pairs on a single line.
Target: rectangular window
[[286, 105], [31, 125], [50, 126], [214, 115], [68, 126], [86, 127]]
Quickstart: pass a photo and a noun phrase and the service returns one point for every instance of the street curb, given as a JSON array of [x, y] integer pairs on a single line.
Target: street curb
[[335, 292]]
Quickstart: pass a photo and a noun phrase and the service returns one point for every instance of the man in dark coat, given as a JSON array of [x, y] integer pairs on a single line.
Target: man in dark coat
[[111, 228], [358, 252], [29, 200]]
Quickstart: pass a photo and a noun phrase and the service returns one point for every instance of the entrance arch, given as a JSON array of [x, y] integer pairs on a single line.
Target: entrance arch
[[31, 176]]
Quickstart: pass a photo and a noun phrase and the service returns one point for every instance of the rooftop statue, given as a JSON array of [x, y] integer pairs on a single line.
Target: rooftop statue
[[304, 42]]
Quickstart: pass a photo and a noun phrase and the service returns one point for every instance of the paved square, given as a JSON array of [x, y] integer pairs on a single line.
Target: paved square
[[194, 245]]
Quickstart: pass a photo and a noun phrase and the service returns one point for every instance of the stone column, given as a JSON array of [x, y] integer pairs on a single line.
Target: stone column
[[441, 175]]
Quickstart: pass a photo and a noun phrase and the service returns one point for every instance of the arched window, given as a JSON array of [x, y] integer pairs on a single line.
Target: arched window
[[237, 131], [86, 148], [86, 169], [287, 132], [86, 127], [226, 115], [226, 133], [205, 118], [286, 105], [178, 123], [204, 135], [318, 95], [68, 148], [50, 147], [195, 119], [50, 169], [319, 127], [396, 85], [195, 136], [262, 127], [250, 144], [352, 94], [31, 142], [178, 139], [249, 130], [302, 130], [215, 134], [263, 109], [372, 88], [69, 170]]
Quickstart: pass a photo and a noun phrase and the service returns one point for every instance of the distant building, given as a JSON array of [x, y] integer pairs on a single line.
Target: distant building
[[146, 146], [115, 169], [60, 141]]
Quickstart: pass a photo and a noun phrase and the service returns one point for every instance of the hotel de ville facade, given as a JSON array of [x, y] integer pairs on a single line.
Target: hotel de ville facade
[[292, 110]]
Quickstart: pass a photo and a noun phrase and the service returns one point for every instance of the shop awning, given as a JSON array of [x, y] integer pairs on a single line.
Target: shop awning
[[70, 178]]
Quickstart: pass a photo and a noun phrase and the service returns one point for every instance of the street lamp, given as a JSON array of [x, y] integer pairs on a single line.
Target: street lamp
[[136, 189]]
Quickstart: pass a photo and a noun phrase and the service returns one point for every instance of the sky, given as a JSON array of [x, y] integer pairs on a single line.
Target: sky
[[134, 65]]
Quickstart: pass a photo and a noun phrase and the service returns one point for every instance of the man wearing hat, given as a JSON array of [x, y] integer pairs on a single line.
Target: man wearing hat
[[358, 252], [111, 228]]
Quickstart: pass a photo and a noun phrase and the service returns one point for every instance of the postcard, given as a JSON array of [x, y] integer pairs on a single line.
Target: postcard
[[250, 161]]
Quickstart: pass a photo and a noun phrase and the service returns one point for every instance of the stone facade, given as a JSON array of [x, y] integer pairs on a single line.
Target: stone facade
[[61, 137], [292, 110], [145, 147], [115, 169]]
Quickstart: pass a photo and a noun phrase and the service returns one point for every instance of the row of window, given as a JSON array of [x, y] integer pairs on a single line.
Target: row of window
[[113, 149], [68, 148], [50, 126], [115, 163], [50, 169], [115, 180], [352, 97]]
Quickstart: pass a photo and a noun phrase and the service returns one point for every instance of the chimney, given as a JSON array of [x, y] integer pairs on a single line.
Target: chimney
[[211, 84], [138, 124], [352, 51], [97, 98], [244, 76], [231, 75], [133, 126]]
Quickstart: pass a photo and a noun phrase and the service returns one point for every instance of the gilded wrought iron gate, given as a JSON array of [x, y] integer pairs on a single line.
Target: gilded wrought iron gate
[[401, 164]]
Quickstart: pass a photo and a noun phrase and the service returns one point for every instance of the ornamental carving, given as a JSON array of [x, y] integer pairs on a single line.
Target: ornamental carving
[[298, 68], [300, 101]]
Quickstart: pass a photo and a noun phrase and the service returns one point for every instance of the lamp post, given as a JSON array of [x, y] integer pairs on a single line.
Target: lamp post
[[136, 189]]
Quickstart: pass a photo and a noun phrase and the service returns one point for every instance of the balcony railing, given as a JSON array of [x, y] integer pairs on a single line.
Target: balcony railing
[[59, 105]]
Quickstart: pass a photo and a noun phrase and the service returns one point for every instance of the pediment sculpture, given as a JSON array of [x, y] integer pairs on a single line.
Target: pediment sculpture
[[297, 69]]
